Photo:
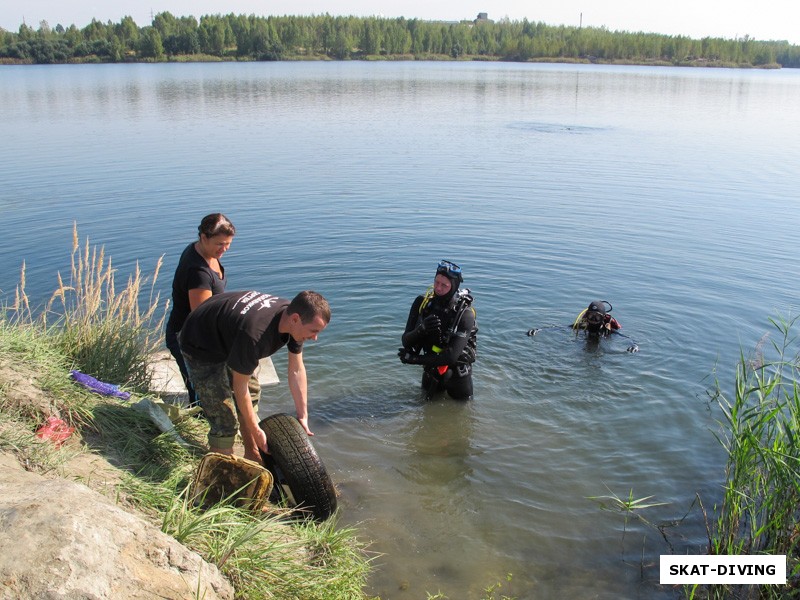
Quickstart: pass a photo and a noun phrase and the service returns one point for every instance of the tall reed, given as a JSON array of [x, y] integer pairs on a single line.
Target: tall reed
[[760, 427], [102, 328]]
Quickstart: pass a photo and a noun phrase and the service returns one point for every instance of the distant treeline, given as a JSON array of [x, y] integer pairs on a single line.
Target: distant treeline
[[239, 37]]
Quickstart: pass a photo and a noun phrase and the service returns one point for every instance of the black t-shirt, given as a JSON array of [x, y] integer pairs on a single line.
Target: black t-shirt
[[237, 328], [192, 273]]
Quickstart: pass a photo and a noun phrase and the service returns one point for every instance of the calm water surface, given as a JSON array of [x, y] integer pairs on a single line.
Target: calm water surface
[[672, 193]]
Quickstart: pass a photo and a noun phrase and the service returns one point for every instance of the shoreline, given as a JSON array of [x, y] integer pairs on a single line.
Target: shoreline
[[204, 58]]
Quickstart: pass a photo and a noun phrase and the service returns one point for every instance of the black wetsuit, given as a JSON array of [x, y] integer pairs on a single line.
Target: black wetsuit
[[449, 369]]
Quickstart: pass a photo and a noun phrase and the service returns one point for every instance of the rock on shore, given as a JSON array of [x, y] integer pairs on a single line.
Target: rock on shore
[[60, 539]]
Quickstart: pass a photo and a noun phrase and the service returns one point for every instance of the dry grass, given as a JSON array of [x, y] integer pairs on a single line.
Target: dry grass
[[102, 329]]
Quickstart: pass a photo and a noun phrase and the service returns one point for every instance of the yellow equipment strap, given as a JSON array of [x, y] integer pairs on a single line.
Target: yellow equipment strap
[[578, 320]]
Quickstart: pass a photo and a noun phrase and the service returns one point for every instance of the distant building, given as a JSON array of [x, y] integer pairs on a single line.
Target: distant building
[[482, 18]]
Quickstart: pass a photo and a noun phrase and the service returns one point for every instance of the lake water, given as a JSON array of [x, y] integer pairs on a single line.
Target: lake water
[[672, 193]]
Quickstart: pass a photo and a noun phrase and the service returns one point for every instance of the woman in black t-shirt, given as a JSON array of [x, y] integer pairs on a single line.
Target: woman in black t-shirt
[[199, 276]]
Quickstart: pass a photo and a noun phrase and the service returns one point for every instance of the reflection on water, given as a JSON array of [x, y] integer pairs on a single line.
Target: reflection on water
[[439, 445]]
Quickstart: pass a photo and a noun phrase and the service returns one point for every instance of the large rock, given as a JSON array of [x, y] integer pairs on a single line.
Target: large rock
[[59, 539]]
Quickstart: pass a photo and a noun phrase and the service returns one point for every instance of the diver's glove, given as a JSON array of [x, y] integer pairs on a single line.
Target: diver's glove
[[407, 358], [431, 324], [469, 354]]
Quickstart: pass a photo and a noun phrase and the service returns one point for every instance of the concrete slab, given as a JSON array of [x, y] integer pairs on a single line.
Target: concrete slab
[[167, 378]]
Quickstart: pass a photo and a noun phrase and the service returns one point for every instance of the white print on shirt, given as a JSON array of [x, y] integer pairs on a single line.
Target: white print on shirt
[[250, 299]]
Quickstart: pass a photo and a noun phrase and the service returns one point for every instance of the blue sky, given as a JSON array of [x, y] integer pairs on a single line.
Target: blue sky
[[769, 19]]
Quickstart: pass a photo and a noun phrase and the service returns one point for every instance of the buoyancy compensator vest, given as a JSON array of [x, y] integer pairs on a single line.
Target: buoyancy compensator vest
[[451, 317]]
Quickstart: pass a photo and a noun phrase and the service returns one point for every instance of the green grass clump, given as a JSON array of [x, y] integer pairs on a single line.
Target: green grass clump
[[760, 430], [35, 382]]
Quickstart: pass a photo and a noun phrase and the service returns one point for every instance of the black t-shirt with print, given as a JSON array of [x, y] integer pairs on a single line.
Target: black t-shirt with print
[[192, 273], [238, 328]]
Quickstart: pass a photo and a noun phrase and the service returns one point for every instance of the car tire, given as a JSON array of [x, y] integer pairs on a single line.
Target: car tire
[[301, 480]]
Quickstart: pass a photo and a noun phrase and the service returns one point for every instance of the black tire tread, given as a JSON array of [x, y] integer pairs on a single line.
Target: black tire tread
[[300, 465]]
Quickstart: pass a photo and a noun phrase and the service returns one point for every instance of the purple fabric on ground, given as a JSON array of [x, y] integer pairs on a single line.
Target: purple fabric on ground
[[99, 387]]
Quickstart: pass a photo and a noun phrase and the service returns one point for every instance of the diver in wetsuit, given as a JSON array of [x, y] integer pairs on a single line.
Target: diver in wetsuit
[[441, 335], [596, 320]]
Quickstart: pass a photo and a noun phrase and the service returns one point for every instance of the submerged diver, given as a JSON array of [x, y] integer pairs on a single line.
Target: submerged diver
[[441, 335], [596, 320]]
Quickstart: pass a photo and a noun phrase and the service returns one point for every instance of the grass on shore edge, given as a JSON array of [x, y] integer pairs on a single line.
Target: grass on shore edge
[[91, 325], [263, 556]]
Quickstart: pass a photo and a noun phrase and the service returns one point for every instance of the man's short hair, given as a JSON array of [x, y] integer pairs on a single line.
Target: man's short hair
[[308, 305]]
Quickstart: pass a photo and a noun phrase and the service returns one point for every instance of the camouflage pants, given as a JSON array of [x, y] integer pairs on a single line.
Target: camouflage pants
[[213, 383]]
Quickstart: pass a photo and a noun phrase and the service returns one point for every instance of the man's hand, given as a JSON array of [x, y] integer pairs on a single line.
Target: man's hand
[[470, 353], [304, 423], [431, 324], [298, 386], [254, 440], [253, 437]]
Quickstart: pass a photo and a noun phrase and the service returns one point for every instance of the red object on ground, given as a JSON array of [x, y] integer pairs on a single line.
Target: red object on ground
[[55, 430]]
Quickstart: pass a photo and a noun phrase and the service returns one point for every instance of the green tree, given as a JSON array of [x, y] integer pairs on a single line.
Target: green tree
[[150, 44], [326, 35], [212, 35], [396, 37], [372, 37], [127, 32], [95, 31], [240, 25], [342, 44], [166, 24], [25, 33], [44, 30], [116, 49], [763, 54], [184, 38], [290, 31], [73, 35], [268, 45]]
